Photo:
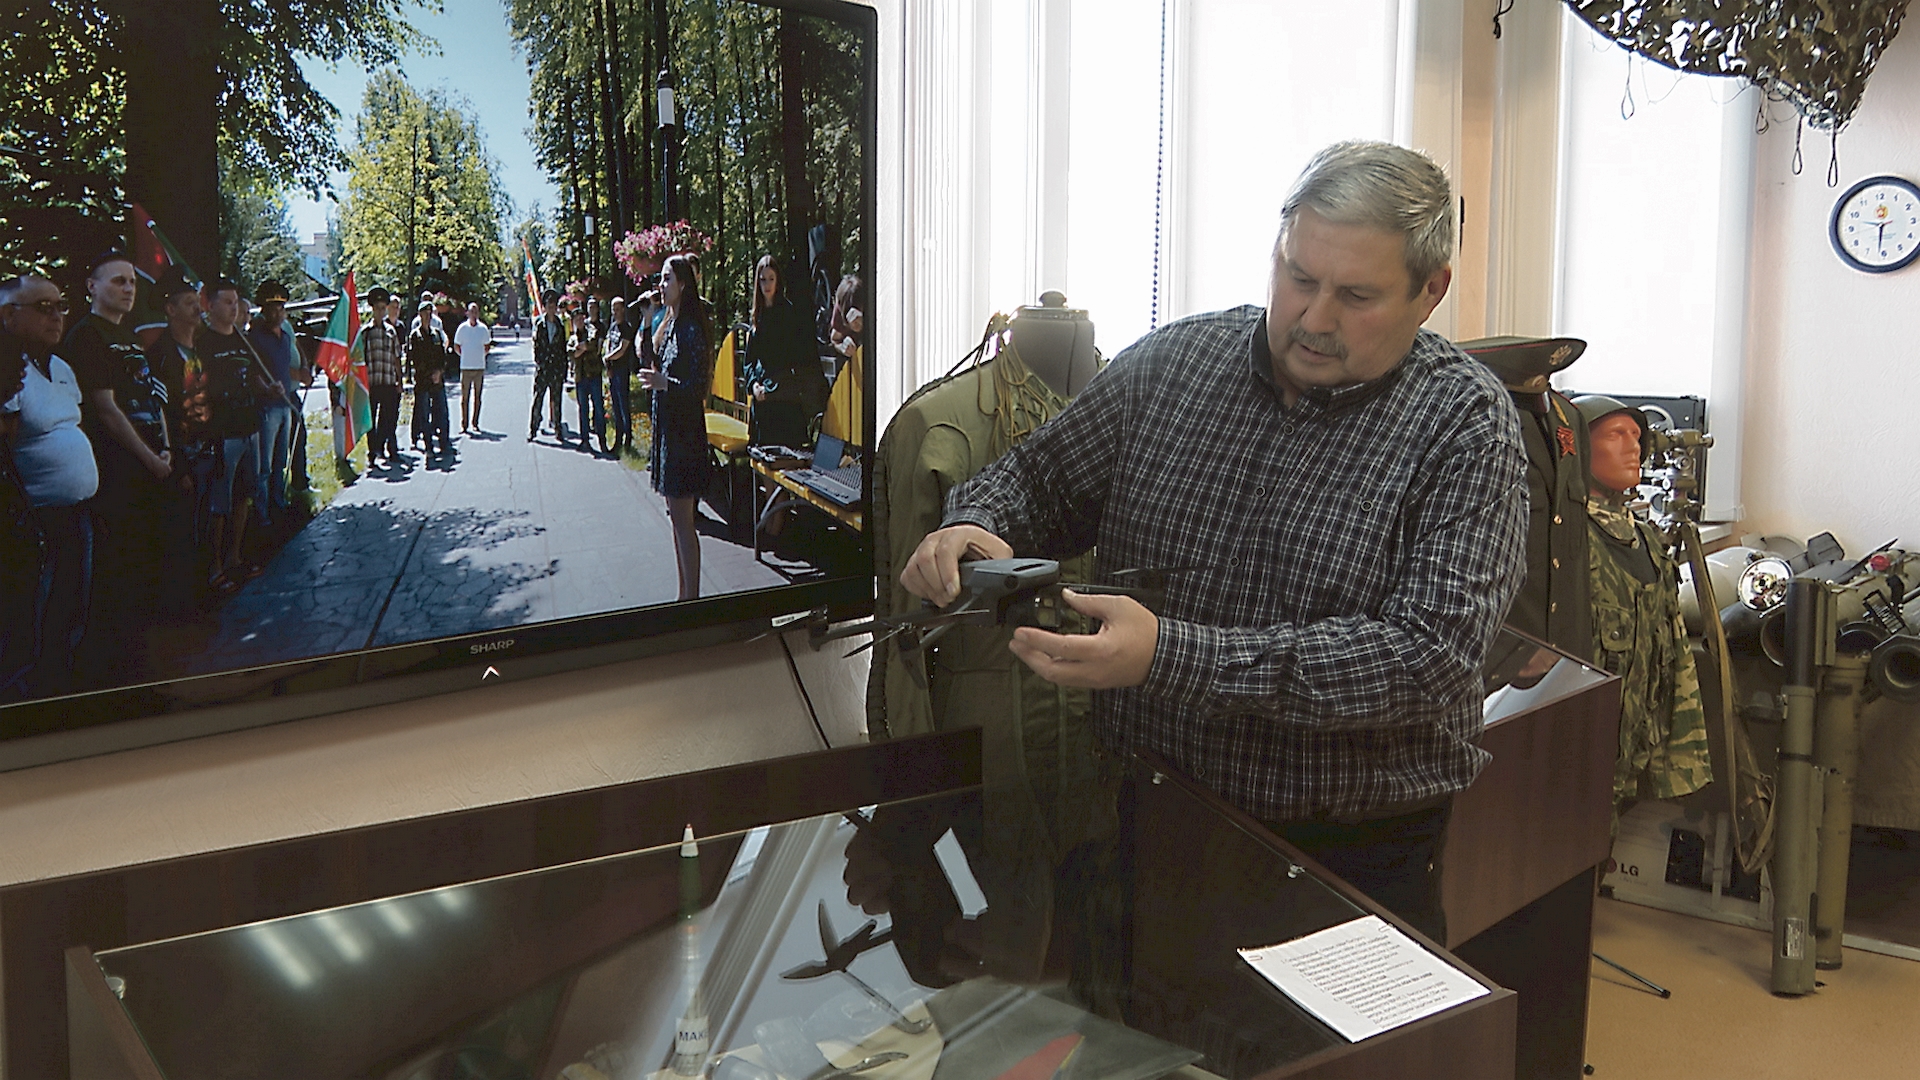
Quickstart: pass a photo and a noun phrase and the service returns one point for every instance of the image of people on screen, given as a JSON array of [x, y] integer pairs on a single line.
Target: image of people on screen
[[278, 420]]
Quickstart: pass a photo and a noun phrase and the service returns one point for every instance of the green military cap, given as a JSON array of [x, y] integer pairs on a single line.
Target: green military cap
[[1523, 363], [173, 282]]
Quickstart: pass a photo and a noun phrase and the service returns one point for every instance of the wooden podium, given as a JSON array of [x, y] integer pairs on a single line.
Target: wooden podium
[[1526, 844]]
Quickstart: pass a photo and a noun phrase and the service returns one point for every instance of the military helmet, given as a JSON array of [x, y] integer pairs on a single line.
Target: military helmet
[[1597, 407]]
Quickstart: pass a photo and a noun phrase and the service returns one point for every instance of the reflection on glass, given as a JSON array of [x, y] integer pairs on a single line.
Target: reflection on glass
[[829, 946], [1521, 674], [345, 942], [394, 914], [295, 968]]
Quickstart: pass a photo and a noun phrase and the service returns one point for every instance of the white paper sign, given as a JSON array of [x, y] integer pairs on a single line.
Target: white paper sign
[[1363, 977], [966, 889]]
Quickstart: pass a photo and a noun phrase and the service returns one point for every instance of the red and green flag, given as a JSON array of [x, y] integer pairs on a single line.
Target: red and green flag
[[343, 331], [340, 356], [152, 255], [533, 280]]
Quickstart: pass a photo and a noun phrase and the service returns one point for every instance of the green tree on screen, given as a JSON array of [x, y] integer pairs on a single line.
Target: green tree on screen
[[421, 185], [106, 101]]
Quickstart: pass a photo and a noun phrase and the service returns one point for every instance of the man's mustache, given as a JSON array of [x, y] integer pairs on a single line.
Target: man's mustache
[[1324, 344]]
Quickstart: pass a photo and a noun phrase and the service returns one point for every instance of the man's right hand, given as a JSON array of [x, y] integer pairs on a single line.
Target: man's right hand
[[934, 571]]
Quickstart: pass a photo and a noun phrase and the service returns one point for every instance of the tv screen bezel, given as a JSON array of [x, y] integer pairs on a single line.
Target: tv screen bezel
[[47, 730]]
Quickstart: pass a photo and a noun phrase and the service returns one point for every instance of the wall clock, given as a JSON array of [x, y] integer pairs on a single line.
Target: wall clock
[[1876, 224]]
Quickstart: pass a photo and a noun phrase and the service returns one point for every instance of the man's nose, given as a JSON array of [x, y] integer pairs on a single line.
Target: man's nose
[[1321, 316]]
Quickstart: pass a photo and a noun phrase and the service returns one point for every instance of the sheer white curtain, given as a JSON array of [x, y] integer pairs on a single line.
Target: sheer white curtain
[[1266, 84], [1115, 175], [1034, 155], [1644, 176]]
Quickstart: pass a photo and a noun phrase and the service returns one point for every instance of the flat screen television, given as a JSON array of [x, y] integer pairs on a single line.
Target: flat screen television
[[750, 121]]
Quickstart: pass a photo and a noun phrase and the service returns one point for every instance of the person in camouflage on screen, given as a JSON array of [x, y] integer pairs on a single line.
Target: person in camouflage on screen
[[1637, 632]]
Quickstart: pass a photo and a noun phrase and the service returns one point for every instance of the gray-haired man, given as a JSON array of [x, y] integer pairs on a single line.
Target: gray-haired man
[[1350, 493]]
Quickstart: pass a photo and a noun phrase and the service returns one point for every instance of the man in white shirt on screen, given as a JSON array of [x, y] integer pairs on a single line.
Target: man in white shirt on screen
[[472, 339], [56, 462]]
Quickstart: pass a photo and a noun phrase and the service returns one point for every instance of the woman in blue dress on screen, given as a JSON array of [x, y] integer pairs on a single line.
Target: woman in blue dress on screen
[[682, 467]]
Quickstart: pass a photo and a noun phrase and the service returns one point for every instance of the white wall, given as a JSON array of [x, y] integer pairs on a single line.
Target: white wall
[[1833, 420]]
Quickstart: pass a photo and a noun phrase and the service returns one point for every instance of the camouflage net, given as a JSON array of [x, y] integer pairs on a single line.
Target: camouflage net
[[1815, 54]]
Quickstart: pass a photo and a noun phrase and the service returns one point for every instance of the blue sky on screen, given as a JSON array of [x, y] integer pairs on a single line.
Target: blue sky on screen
[[466, 52]]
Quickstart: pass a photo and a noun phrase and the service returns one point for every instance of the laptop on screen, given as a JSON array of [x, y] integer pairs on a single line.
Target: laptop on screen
[[827, 452]]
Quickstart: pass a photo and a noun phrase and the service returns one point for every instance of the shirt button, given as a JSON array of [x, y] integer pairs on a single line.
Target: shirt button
[[1556, 519], [1366, 504], [1556, 564], [1260, 492], [1235, 561], [1552, 607]]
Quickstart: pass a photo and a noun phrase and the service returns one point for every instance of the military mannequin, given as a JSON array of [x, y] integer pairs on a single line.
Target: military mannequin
[[946, 432], [1637, 630], [1056, 342], [1553, 604]]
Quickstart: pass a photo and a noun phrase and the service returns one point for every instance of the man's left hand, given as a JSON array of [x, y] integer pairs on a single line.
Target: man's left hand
[[1118, 655]]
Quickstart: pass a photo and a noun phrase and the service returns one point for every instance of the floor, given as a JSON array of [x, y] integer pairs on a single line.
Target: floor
[[1883, 886], [1863, 1024]]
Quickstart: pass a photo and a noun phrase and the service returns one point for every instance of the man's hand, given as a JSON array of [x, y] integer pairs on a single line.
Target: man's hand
[[161, 465], [652, 379], [1118, 655], [934, 571]]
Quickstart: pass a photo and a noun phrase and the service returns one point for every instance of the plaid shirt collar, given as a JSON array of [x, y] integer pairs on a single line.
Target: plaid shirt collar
[[1315, 400]]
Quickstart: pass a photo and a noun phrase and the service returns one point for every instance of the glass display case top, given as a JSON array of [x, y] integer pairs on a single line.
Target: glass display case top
[[941, 937]]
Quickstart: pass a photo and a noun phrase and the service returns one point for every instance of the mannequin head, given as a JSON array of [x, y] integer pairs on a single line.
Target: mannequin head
[[1615, 461], [1056, 343]]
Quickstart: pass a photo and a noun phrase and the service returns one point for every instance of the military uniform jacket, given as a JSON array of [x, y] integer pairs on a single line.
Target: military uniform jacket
[[550, 348], [1638, 635], [1553, 604], [1031, 729]]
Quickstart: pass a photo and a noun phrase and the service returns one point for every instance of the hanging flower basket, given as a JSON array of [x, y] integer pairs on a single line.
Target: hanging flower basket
[[642, 253]]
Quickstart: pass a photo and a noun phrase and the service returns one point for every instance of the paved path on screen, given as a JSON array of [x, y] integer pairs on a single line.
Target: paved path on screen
[[500, 533]]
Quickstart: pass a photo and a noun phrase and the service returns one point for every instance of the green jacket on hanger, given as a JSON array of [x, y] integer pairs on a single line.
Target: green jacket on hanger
[[945, 433]]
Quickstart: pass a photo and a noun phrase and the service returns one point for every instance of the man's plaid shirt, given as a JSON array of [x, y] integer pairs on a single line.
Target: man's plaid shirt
[[1354, 556], [381, 346]]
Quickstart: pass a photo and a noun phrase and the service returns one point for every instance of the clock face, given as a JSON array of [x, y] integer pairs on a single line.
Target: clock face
[[1876, 224]]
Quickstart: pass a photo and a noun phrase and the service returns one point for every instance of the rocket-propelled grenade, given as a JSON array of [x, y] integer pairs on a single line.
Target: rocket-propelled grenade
[[691, 1039]]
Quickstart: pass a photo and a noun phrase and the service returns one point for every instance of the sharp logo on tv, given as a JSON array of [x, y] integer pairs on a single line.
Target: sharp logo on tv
[[472, 323]]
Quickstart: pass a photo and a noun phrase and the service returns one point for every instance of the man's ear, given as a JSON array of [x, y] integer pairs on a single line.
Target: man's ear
[[1435, 290]]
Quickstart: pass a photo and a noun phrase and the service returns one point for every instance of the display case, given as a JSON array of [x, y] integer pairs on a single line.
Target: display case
[[873, 912], [1526, 841]]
